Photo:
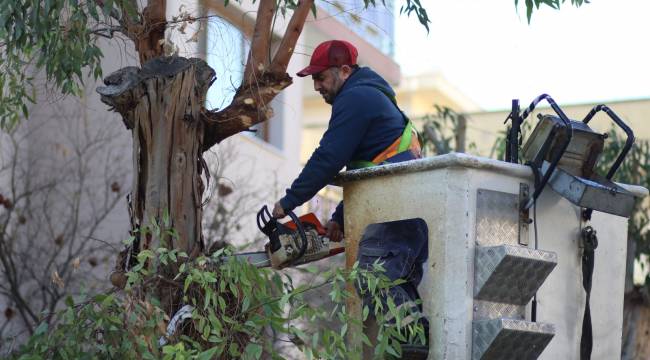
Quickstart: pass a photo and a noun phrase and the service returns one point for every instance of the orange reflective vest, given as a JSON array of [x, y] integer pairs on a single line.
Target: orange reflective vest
[[408, 141]]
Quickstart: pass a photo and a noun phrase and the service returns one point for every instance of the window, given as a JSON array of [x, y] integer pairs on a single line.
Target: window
[[226, 52]]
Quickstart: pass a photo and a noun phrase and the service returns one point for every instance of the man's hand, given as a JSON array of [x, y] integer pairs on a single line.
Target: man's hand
[[334, 232], [278, 211]]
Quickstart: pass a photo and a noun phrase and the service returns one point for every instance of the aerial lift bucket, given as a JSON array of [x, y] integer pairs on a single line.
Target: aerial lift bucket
[[500, 283]]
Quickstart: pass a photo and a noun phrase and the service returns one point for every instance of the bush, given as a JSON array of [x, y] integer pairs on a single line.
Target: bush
[[235, 307]]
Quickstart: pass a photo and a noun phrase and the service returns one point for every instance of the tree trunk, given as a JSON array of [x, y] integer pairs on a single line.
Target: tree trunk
[[636, 326], [161, 105]]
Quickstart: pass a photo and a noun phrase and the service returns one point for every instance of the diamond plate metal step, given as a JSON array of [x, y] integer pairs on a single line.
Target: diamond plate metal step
[[510, 274], [509, 339]]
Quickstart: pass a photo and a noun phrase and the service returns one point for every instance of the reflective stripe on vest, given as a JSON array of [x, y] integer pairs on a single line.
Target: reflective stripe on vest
[[408, 141]]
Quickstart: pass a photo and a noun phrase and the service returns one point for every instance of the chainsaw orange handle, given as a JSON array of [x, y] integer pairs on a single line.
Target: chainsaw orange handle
[[310, 219]]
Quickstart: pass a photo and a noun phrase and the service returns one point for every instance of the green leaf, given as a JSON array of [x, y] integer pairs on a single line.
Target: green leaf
[[529, 9], [93, 11], [108, 7], [165, 218], [208, 354], [41, 329], [145, 254], [252, 351], [313, 9], [233, 350]]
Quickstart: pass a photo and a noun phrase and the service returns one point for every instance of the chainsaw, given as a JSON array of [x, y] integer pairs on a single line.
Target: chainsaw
[[299, 241]]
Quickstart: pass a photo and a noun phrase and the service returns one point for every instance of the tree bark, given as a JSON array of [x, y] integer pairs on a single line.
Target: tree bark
[[263, 79], [294, 29], [161, 105], [251, 105], [259, 56], [636, 326]]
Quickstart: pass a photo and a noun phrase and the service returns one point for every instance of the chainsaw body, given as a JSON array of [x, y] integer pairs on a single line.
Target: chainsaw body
[[298, 241], [290, 245]]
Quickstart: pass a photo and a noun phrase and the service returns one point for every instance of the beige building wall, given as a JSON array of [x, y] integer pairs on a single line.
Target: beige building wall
[[483, 128], [417, 95]]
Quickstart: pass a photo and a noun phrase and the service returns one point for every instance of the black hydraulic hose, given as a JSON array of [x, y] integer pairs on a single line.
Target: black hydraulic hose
[[628, 142], [565, 145]]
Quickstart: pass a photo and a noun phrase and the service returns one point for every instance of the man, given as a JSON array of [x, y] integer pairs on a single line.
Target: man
[[366, 128]]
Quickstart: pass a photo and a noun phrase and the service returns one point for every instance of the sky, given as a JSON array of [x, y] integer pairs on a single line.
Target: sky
[[596, 53]]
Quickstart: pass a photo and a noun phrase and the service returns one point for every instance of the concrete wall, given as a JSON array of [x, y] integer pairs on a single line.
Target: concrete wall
[[73, 157], [442, 191]]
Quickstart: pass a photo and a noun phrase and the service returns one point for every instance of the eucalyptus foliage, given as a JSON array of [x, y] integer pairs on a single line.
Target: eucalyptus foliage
[[236, 306], [441, 131], [58, 39], [555, 4], [55, 39], [413, 6]]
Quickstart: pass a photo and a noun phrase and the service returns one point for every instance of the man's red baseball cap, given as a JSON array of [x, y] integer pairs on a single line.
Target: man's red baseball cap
[[328, 54]]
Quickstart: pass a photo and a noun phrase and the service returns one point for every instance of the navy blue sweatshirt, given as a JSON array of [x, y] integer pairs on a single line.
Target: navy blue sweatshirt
[[363, 123]]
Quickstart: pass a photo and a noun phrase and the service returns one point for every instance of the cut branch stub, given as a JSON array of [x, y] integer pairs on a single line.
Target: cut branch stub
[[124, 87], [162, 103]]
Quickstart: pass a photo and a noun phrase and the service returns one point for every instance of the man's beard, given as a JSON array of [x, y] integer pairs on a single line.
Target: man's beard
[[328, 97], [330, 94]]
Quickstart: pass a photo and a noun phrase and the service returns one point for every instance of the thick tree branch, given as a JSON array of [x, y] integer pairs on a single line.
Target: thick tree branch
[[149, 42], [146, 30], [288, 44], [258, 59], [128, 18], [250, 106]]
